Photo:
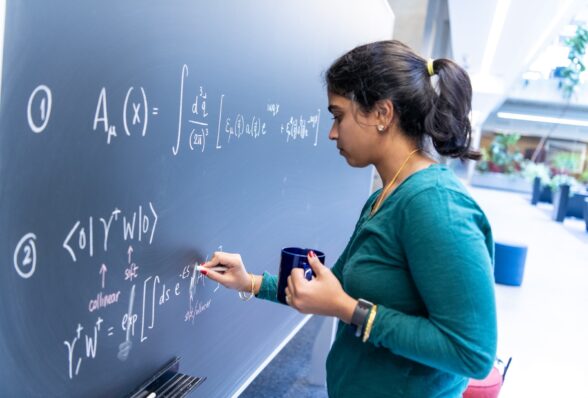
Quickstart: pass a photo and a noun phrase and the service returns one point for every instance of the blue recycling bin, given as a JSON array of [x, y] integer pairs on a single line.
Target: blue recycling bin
[[509, 263]]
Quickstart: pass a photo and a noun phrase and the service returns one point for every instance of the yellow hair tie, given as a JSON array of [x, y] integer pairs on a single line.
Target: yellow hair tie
[[430, 67]]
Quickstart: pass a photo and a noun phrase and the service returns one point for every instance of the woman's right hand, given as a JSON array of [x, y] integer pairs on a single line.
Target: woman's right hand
[[235, 277]]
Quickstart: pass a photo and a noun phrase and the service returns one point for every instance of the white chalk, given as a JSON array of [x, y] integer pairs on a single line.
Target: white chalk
[[152, 395], [218, 268]]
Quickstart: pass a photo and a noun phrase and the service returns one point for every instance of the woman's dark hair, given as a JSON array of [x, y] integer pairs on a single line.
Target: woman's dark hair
[[391, 70]]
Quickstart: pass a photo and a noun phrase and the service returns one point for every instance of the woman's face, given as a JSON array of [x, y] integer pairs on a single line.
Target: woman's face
[[355, 132]]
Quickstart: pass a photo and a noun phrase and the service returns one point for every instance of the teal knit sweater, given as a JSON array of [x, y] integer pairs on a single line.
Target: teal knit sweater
[[425, 258]]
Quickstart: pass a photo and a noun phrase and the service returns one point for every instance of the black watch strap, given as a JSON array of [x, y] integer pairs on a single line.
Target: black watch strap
[[360, 314]]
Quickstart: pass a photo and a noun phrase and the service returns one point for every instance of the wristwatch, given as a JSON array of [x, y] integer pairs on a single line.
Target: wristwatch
[[360, 314]]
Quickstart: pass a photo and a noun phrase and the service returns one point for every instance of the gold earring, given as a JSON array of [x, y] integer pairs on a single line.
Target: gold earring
[[380, 127]]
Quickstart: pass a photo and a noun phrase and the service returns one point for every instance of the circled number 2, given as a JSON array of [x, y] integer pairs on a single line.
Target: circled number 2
[[25, 256]]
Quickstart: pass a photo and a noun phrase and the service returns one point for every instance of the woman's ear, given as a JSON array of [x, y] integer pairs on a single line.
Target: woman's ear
[[384, 114]]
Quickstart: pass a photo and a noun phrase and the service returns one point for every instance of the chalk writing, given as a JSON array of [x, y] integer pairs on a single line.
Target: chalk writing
[[253, 127], [138, 111], [140, 226], [185, 73], [199, 119], [91, 346], [154, 294], [136, 108], [196, 306], [297, 128], [103, 300], [132, 271], [45, 104], [128, 325], [273, 109], [145, 288], [234, 126], [102, 272], [202, 111], [193, 312], [25, 256]]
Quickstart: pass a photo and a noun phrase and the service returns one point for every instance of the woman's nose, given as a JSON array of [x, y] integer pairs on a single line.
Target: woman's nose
[[333, 134]]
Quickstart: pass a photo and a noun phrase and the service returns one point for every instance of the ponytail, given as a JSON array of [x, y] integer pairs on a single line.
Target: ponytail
[[447, 122]]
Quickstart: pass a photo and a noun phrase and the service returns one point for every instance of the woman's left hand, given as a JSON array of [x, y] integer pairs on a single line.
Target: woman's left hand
[[323, 295]]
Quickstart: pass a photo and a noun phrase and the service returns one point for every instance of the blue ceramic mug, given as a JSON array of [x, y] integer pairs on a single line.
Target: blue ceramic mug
[[294, 257]]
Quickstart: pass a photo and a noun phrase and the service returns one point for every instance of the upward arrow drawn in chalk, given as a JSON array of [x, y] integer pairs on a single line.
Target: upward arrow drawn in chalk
[[102, 271]]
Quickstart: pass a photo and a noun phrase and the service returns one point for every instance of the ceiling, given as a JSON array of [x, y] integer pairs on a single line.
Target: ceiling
[[409, 21], [497, 39], [572, 125]]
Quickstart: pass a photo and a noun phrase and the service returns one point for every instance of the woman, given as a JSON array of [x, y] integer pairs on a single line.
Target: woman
[[413, 289]]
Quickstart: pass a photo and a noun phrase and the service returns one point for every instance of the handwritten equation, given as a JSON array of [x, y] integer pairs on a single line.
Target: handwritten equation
[[139, 304], [138, 225], [136, 320], [196, 129], [123, 290]]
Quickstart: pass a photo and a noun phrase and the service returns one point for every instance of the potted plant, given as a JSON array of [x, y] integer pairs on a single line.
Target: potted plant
[[570, 74], [502, 156], [583, 178], [501, 165], [540, 177], [562, 186]]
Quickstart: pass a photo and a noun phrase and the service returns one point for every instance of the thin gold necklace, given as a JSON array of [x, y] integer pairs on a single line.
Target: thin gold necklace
[[388, 186]]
